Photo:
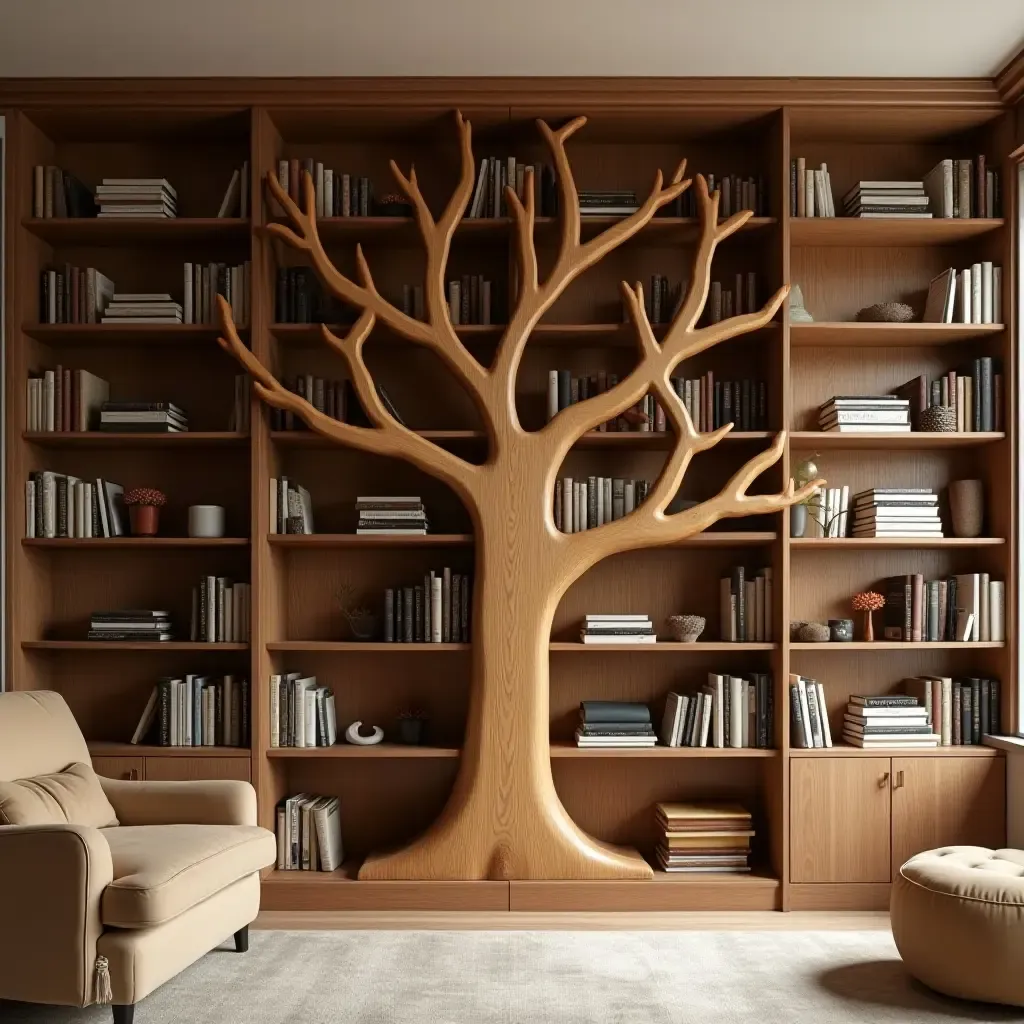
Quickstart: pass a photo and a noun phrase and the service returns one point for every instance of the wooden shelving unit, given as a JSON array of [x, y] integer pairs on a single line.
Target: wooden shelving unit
[[391, 792]]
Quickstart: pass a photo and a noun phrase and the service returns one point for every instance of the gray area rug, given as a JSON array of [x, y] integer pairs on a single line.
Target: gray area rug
[[547, 977]]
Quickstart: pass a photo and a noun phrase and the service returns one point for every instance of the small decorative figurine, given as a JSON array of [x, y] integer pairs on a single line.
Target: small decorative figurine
[[354, 734], [867, 603]]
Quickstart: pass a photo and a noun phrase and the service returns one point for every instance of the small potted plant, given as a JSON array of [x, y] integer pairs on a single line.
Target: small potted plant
[[868, 603], [144, 504], [412, 727]]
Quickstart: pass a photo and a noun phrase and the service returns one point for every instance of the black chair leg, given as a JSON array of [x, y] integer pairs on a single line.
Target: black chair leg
[[124, 1014], [241, 940]]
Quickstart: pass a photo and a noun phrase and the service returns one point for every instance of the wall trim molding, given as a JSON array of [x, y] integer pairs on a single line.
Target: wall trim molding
[[1009, 82]]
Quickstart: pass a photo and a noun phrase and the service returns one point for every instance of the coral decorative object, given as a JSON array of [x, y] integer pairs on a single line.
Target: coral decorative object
[[868, 602], [144, 504]]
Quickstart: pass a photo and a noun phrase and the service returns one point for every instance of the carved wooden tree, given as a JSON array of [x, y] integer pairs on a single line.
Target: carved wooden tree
[[503, 819]]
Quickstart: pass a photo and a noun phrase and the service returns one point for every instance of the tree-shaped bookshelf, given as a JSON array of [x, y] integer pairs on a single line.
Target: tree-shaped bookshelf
[[503, 819]]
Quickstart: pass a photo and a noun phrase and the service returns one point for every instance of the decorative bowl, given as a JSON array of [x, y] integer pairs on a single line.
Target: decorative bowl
[[939, 419], [887, 312], [840, 630], [686, 628], [813, 633]]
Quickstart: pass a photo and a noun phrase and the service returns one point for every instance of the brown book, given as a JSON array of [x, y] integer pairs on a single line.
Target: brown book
[[700, 842], [997, 402], [918, 609], [963, 172], [69, 423], [58, 399], [709, 401], [916, 392], [980, 204], [702, 812]]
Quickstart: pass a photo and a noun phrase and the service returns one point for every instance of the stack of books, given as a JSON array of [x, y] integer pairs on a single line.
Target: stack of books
[[309, 833], [137, 197], [607, 202], [729, 711], [618, 629], [302, 713], [961, 711], [197, 711], [385, 515], [896, 512], [865, 414], [886, 199], [142, 418], [701, 838], [808, 718], [612, 723], [890, 721], [142, 308], [131, 624]]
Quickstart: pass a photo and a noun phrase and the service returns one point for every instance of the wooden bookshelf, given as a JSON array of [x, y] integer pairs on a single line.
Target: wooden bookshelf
[[391, 792]]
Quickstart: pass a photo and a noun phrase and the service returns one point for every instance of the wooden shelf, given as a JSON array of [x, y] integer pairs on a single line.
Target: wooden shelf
[[854, 231], [103, 439], [894, 645], [111, 231], [661, 647], [355, 750], [915, 439], [844, 750], [125, 335], [890, 543], [566, 748], [872, 335], [351, 540], [133, 543], [99, 646], [103, 748], [369, 647]]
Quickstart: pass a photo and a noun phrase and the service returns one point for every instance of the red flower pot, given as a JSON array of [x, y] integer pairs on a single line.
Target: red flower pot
[[144, 519]]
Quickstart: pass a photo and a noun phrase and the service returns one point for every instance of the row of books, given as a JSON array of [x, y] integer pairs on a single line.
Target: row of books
[[434, 612], [964, 189], [64, 400], [136, 197], [308, 829], [204, 282], [73, 295], [586, 504], [725, 302], [810, 190], [142, 418], [469, 300], [146, 625], [966, 607], [975, 393], [728, 711], [959, 711], [59, 505], [745, 606], [972, 296], [196, 711], [236, 196], [863, 414], [291, 508], [703, 838], [221, 611], [330, 397], [302, 713], [299, 298], [337, 194], [738, 192], [396, 515], [613, 723], [495, 173], [58, 193], [617, 629]]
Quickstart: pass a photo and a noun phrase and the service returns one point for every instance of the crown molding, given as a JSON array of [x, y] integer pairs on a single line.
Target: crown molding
[[1010, 81]]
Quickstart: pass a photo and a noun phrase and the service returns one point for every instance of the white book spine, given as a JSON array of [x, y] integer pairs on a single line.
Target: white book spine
[[966, 295], [976, 292], [986, 292], [552, 394]]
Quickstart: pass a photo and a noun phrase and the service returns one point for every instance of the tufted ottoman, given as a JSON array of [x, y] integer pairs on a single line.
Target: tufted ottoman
[[958, 921]]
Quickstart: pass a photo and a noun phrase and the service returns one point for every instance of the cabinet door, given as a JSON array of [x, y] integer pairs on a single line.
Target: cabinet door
[[183, 769], [839, 819], [946, 801], [133, 768]]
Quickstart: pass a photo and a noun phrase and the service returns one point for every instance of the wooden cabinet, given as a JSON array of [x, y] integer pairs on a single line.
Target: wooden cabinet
[[946, 801], [133, 768], [857, 819], [839, 813], [183, 769]]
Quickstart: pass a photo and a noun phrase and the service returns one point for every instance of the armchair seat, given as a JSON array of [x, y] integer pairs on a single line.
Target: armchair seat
[[161, 871]]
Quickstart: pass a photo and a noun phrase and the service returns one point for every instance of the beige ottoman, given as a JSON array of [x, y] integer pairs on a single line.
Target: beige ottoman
[[958, 921]]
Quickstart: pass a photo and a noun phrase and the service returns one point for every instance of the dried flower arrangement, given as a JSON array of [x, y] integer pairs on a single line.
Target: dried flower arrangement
[[867, 602]]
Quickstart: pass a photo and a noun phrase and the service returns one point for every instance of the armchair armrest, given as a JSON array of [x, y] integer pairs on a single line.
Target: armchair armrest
[[206, 802], [52, 879]]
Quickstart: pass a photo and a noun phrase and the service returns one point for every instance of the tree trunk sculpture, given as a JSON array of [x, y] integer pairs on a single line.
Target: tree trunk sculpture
[[503, 819]]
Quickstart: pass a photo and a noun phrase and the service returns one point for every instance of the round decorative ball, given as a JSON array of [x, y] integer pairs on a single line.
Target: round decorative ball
[[794, 629], [686, 628], [813, 633], [887, 312], [939, 419]]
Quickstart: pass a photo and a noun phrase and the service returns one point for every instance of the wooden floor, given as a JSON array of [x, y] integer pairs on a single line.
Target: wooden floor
[[691, 921]]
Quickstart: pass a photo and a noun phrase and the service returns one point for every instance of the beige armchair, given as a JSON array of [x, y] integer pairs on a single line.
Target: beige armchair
[[109, 914]]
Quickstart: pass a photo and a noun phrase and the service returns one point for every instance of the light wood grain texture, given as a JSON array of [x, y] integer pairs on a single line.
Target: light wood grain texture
[[826, 798], [184, 769], [504, 819], [119, 767], [856, 335], [825, 896]]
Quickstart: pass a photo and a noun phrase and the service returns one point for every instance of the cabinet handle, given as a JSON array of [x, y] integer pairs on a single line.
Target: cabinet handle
[[133, 774], [898, 783], [883, 780]]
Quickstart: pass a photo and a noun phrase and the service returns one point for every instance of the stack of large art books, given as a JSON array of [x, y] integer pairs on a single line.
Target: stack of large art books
[[612, 723], [384, 515], [888, 721], [131, 625], [618, 629], [896, 512], [701, 838], [142, 418], [886, 199], [137, 197], [865, 414], [142, 308]]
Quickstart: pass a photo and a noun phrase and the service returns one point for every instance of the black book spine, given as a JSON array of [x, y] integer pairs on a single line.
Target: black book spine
[[457, 608], [399, 609], [739, 589], [951, 608], [994, 712], [966, 714], [691, 714], [728, 414], [770, 713], [976, 400], [718, 419], [956, 714], [407, 612], [745, 417], [985, 706], [164, 713], [762, 405], [218, 715], [417, 611], [976, 712], [737, 404], [281, 302], [986, 393], [797, 738], [245, 728], [466, 605]]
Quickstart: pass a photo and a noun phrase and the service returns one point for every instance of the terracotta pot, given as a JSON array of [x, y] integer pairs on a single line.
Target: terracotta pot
[[967, 507], [144, 519]]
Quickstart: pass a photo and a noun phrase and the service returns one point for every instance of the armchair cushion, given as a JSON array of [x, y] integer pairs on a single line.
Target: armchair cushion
[[71, 797], [160, 871], [206, 802]]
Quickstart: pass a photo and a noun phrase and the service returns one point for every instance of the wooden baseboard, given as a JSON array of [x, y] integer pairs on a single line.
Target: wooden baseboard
[[846, 896]]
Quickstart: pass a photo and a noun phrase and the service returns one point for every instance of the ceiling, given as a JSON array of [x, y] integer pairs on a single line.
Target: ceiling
[[774, 38]]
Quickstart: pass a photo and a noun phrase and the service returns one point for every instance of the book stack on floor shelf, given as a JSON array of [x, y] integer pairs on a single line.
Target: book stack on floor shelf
[[876, 723], [436, 612], [143, 418], [137, 197], [610, 723], [729, 711], [702, 838], [972, 296], [60, 505], [865, 414], [587, 503], [291, 508], [390, 515], [64, 399], [887, 199], [808, 714], [617, 629], [131, 625], [746, 606], [302, 713], [196, 711], [896, 512], [142, 308], [961, 712], [221, 611], [965, 607], [309, 833]]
